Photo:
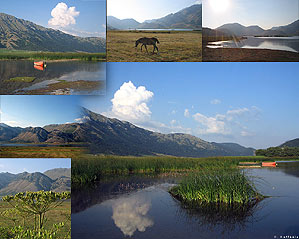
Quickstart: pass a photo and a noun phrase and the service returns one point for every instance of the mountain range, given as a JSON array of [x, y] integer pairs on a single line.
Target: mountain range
[[105, 135], [187, 18], [57, 180], [19, 34], [237, 29]]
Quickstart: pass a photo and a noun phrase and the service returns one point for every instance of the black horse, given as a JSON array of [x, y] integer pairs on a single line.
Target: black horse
[[148, 41]]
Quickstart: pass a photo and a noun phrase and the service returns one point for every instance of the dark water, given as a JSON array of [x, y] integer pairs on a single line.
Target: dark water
[[138, 207], [53, 73], [273, 43]]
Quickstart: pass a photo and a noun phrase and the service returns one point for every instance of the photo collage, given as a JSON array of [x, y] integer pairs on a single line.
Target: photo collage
[[149, 119]]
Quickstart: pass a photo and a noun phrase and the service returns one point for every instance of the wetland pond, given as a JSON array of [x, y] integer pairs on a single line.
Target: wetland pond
[[272, 43], [141, 207], [58, 78]]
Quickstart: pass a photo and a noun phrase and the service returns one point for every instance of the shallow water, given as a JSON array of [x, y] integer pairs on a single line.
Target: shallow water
[[121, 209], [273, 43], [53, 73]]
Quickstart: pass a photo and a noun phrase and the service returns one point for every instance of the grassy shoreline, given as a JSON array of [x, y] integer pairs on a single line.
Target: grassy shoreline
[[89, 168], [50, 56]]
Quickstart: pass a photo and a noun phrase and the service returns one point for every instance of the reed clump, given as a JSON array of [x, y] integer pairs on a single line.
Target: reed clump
[[225, 186]]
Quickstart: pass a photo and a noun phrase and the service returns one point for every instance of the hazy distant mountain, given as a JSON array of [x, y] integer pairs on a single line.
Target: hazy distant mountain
[[112, 136], [237, 29], [188, 18], [291, 29], [116, 23], [58, 172], [15, 183], [20, 34], [291, 143]]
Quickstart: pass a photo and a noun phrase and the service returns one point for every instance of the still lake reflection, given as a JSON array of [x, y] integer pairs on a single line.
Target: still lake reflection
[[272, 43], [55, 72], [141, 207]]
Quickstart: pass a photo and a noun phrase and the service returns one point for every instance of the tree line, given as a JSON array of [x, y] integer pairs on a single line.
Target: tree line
[[278, 152]]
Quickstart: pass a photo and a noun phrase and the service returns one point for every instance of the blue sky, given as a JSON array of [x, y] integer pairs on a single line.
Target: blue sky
[[20, 165], [253, 104], [142, 10], [35, 111], [87, 18], [265, 13]]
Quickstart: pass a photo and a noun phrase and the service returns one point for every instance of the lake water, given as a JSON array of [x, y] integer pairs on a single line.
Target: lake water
[[55, 72], [141, 207], [273, 43]]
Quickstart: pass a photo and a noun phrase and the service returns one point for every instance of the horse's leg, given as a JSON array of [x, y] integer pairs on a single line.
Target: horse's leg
[[157, 48], [141, 46], [146, 48]]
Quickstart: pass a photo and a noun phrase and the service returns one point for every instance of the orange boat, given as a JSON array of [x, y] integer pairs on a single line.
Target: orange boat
[[269, 164], [39, 63], [40, 68]]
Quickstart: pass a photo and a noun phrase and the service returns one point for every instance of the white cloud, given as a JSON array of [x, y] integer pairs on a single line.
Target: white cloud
[[130, 103], [187, 113], [210, 125], [82, 120], [246, 133], [215, 102], [231, 122], [130, 214], [63, 16]]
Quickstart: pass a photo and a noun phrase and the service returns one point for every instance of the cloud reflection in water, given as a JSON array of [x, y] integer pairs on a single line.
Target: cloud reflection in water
[[130, 214]]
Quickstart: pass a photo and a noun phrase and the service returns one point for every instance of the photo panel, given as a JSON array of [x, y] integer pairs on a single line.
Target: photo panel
[[35, 197], [250, 31], [59, 50], [162, 31], [40, 126], [189, 150]]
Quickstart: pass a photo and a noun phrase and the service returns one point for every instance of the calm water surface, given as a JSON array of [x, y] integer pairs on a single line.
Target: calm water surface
[[141, 207], [273, 43], [53, 73]]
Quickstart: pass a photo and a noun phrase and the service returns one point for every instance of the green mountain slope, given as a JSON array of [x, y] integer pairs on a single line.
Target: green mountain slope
[[19, 34]]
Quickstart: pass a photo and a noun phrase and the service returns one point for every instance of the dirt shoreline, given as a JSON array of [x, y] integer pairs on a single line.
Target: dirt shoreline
[[248, 55]]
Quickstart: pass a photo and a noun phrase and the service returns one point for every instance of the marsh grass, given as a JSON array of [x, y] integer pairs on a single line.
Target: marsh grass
[[21, 79], [225, 187], [37, 55], [88, 168], [175, 46]]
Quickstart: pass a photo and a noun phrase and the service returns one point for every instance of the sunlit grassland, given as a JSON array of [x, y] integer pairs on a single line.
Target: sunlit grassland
[[38, 55], [40, 152], [175, 46]]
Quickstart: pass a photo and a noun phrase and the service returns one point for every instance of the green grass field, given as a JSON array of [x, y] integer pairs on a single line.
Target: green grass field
[[36, 55], [88, 168], [175, 46]]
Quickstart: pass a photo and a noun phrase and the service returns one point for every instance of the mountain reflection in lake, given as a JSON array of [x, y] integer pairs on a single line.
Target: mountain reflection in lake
[[272, 43], [137, 207], [66, 72]]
